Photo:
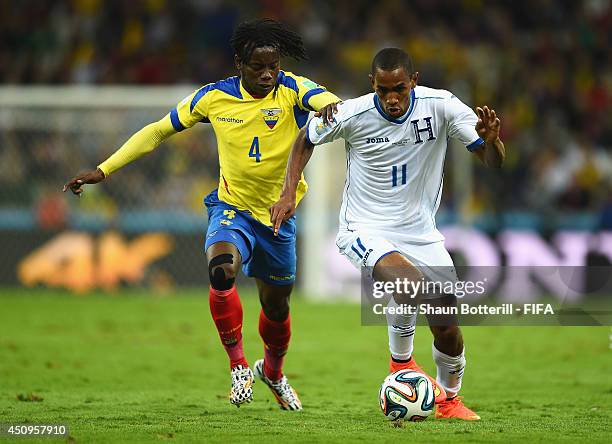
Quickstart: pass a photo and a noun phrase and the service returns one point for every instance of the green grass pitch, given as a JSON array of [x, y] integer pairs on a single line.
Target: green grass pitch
[[134, 367]]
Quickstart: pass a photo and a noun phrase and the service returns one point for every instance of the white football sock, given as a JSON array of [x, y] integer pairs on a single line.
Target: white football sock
[[401, 328], [450, 370]]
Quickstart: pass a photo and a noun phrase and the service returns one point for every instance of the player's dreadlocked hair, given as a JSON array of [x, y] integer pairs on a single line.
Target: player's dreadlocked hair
[[389, 59], [266, 32]]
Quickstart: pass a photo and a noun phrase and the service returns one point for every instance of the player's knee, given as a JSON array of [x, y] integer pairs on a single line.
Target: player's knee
[[445, 332], [277, 312], [222, 271]]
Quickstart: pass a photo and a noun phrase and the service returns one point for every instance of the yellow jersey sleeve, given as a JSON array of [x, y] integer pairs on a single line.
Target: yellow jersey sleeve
[[191, 110], [311, 96], [142, 142]]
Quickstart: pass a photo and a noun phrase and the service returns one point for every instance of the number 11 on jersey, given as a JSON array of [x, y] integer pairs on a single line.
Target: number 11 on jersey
[[254, 151], [394, 175]]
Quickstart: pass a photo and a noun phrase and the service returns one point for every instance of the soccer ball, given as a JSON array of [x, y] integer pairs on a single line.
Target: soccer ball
[[406, 394]]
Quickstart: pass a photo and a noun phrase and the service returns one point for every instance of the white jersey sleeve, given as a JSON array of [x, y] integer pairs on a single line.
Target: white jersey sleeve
[[462, 123], [344, 121], [317, 133]]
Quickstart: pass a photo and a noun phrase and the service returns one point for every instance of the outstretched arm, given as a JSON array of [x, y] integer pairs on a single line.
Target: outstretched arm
[[492, 153], [300, 154], [188, 112], [140, 143], [75, 184]]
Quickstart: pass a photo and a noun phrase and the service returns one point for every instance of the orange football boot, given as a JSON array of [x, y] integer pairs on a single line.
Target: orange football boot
[[454, 408], [439, 393]]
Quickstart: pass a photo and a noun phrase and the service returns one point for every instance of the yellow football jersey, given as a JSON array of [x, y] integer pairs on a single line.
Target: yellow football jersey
[[254, 135]]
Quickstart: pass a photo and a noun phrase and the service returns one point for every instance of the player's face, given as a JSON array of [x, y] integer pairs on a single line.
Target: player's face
[[260, 72], [393, 90]]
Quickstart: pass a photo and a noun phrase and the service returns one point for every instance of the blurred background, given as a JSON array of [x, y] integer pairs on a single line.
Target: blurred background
[[78, 77]]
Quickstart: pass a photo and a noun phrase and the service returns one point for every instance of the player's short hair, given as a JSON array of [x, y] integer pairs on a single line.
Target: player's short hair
[[388, 59], [267, 32]]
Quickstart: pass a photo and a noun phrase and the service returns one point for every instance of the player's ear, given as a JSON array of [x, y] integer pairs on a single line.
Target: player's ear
[[414, 77], [237, 62], [371, 77]]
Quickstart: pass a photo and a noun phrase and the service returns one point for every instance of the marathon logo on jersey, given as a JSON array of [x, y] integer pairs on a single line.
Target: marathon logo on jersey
[[377, 139], [229, 120], [271, 116], [289, 277]]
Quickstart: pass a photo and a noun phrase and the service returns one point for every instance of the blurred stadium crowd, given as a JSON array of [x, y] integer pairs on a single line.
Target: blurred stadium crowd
[[544, 65]]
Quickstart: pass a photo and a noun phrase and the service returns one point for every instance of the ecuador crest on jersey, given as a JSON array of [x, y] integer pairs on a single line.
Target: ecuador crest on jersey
[[271, 116]]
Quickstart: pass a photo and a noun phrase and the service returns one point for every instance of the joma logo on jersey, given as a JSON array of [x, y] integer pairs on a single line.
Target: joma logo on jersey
[[271, 116], [377, 139], [364, 261]]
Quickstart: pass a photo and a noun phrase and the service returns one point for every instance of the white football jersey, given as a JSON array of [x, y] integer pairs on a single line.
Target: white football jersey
[[395, 166]]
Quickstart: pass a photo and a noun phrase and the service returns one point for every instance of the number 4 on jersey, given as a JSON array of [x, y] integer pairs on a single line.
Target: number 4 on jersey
[[254, 151]]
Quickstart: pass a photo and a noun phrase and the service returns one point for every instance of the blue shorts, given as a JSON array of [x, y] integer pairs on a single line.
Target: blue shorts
[[264, 256]]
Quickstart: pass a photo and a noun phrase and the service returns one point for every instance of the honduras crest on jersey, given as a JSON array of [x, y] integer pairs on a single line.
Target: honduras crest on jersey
[[271, 116]]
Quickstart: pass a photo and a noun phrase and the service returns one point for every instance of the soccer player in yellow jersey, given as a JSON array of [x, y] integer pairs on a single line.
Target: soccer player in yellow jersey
[[255, 116]]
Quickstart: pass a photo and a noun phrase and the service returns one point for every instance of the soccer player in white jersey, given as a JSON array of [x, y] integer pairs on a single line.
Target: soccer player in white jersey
[[396, 141]]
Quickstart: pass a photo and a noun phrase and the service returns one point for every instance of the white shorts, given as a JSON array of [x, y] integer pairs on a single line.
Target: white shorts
[[364, 250]]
